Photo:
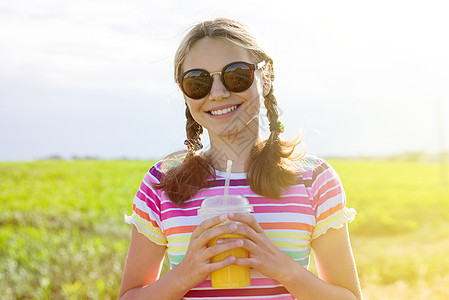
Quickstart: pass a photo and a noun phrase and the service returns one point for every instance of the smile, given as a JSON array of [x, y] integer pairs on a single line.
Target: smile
[[223, 111]]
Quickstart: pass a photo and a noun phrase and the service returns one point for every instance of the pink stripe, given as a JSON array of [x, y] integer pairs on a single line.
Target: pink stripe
[[263, 282], [322, 189], [148, 201], [321, 178], [320, 198], [240, 191], [148, 179], [259, 200], [330, 195], [254, 282], [281, 298], [184, 211], [273, 297], [284, 200], [169, 205], [179, 213], [284, 209], [251, 293], [255, 199], [219, 191], [144, 187], [169, 210]]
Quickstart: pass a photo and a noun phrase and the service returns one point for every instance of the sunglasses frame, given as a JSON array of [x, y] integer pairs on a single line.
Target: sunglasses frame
[[252, 67]]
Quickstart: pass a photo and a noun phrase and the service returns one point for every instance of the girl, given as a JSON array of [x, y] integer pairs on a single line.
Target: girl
[[299, 203]]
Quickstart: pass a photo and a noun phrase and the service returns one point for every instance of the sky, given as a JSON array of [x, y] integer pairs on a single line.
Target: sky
[[95, 78]]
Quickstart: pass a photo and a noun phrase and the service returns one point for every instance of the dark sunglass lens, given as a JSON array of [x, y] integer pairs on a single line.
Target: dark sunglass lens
[[196, 84], [238, 77]]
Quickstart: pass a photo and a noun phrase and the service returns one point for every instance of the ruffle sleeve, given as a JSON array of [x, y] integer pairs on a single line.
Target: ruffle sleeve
[[146, 208], [328, 200]]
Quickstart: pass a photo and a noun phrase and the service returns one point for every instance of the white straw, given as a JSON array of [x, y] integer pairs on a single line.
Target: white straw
[[228, 177]]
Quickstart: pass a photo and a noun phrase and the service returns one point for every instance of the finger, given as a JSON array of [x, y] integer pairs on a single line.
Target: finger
[[217, 249], [247, 219], [248, 232], [250, 246], [215, 232], [226, 240], [221, 264], [229, 240], [209, 223], [245, 262], [246, 244]]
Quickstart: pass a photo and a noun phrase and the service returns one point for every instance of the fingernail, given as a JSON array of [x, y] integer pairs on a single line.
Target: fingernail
[[233, 226], [219, 241], [231, 215], [239, 242], [222, 217]]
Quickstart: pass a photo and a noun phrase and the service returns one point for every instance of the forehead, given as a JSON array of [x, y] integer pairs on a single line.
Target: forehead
[[214, 54]]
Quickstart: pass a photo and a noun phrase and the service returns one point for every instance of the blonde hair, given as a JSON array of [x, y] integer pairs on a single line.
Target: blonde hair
[[269, 165], [223, 29]]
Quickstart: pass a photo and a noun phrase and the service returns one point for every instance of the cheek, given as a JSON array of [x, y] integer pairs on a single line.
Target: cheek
[[256, 97], [253, 106], [191, 109], [195, 108]]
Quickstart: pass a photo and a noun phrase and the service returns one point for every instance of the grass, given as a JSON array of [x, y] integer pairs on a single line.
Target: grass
[[409, 266], [62, 234]]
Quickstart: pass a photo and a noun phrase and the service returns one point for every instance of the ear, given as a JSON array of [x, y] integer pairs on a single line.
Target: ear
[[266, 79]]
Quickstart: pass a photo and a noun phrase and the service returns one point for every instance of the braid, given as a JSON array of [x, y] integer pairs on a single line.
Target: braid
[[271, 103], [182, 182], [273, 117], [268, 170], [193, 133]]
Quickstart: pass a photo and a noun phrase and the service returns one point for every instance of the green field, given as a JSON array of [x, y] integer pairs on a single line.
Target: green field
[[62, 234]]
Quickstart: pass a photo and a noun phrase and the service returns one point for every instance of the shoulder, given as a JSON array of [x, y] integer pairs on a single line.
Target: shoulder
[[169, 162], [154, 173], [312, 165], [316, 172], [161, 167]]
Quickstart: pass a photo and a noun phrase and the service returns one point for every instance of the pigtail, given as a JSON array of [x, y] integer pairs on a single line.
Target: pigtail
[[184, 181], [193, 133], [269, 165]]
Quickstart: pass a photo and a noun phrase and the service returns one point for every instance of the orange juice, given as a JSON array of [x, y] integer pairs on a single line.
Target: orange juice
[[232, 276]]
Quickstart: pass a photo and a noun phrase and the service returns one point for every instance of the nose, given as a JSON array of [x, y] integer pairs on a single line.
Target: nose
[[218, 90]]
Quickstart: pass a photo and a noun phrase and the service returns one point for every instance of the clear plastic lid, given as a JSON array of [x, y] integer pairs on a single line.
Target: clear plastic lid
[[221, 204]]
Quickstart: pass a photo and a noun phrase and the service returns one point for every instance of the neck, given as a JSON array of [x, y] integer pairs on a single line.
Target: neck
[[236, 147]]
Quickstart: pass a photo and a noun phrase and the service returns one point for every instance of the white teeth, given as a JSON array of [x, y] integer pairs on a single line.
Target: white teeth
[[223, 111]]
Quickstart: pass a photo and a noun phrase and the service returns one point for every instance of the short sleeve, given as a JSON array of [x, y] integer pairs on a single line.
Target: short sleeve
[[328, 200], [146, 208]]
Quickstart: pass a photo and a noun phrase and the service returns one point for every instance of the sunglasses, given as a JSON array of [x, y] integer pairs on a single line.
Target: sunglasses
[[236, 77]]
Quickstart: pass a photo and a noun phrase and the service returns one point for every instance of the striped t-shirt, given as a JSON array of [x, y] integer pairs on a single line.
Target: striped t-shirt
[[305, 211]]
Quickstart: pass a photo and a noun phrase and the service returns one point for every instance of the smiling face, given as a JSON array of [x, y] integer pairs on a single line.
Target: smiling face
[[221, 112]]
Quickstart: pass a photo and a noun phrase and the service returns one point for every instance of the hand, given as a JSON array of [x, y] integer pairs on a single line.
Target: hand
[[265, 257], [195, 266]]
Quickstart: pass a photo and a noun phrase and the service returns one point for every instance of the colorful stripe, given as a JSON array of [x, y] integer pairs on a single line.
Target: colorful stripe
[[304, 212]]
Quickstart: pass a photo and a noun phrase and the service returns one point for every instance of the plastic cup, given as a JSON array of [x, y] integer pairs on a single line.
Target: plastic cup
[[232, 276]]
